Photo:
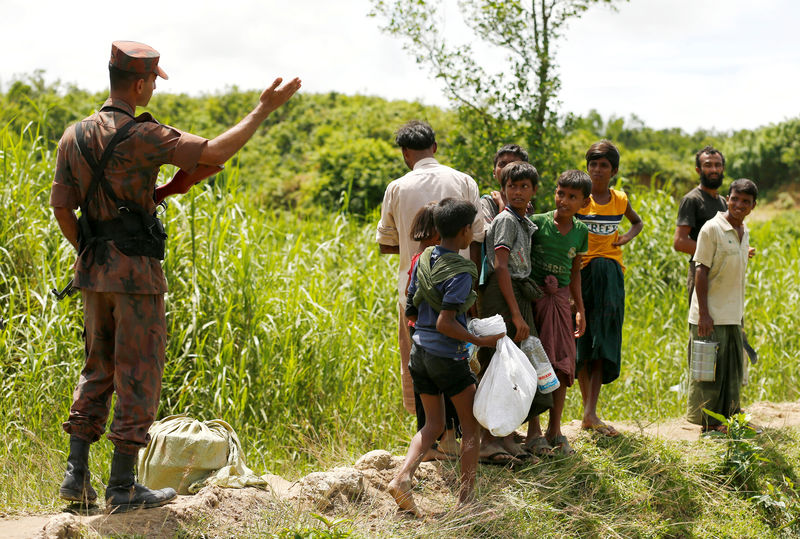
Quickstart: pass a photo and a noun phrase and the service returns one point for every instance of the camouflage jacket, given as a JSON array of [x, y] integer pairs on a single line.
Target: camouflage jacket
[[132, 172]]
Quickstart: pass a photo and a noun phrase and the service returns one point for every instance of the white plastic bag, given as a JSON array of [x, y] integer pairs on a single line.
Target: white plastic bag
[[533, 349], [487, 326], [505, 394]]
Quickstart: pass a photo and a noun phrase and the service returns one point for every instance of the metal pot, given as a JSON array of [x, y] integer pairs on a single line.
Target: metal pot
[[704, 360]]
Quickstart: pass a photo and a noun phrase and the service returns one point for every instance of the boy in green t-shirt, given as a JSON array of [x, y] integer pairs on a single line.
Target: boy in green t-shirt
[[556, 249]]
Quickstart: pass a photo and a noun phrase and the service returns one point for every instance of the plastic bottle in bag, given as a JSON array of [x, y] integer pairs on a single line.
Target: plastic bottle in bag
[[547, 379]]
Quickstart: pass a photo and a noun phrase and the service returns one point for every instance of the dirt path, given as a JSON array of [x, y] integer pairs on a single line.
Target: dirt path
[[229, 510]]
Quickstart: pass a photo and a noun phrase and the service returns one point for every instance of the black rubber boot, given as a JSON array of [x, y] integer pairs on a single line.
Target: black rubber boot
[[77, 486], [124, 494]]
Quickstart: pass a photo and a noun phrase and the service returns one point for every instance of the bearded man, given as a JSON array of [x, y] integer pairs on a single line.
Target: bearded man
[[699, 205]]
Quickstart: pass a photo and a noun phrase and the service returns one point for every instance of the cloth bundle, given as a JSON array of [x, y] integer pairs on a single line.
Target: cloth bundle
[[187, 455]]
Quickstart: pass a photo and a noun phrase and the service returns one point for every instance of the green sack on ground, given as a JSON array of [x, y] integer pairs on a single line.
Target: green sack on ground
[[187, 455]]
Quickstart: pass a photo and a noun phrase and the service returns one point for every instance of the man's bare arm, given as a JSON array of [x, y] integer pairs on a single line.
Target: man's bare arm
[[682, 242], [389, 249], [68, 223], [705, 324], [221, 148]]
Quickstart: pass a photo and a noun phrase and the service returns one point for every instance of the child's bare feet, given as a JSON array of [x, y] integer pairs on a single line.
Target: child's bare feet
[[401, 492]]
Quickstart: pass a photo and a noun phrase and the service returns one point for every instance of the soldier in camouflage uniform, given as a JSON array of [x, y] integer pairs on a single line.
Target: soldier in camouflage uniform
[[121, 283]]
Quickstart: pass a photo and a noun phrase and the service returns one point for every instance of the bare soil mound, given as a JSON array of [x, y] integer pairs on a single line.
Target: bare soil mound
[[230, 512]]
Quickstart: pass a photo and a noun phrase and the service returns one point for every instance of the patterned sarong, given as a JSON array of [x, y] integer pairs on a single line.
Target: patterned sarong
[[553, 316]]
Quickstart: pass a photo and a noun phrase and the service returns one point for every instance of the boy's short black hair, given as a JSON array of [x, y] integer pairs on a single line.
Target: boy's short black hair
[[576, 179], [453, 214], [745, 186], [603, 148], [519, 170], [415, 135], [515, 149], [709, 150], [423, 227]]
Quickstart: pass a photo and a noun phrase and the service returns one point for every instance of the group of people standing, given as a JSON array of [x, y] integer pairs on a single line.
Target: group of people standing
[[558, 275]]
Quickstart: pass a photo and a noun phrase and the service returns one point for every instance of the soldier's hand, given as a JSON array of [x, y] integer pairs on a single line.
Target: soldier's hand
[[276, 95]]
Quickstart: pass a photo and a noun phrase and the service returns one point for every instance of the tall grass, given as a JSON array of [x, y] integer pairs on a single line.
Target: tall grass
[[285, 326]]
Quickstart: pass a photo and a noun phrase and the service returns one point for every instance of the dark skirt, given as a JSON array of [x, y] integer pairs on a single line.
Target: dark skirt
[[721, 395], [603, 291]]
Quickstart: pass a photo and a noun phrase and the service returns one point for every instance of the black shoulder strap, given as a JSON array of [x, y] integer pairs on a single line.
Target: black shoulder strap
[[98, 168], [116, 109]]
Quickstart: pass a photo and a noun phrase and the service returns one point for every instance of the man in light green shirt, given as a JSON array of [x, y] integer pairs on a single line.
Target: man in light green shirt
[[717, 304]]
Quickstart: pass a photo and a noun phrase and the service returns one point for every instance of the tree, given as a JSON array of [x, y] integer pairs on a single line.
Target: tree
[[514, 102]]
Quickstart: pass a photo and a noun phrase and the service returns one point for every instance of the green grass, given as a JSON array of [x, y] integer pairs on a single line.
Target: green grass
[[630, 486], [284, 326]]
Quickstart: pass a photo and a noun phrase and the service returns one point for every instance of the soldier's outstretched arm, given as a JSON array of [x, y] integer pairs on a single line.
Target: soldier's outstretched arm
[[221, 148]]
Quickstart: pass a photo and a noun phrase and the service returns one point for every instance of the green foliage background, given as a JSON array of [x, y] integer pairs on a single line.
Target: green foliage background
[[280, 311], [337, 152]]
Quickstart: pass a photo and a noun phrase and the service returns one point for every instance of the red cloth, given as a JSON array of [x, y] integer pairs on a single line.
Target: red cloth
[[553, 316]]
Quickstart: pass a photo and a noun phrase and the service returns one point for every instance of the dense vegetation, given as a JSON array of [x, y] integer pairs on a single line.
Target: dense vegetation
[[282, 322], [335, 151]]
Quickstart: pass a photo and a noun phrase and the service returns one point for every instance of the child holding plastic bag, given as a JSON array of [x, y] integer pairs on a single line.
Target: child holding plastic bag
[[509, 291], [439, 296]]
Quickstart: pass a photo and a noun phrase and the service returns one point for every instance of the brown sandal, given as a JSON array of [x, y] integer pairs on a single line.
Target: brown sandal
[[539, 447], [561, 446]]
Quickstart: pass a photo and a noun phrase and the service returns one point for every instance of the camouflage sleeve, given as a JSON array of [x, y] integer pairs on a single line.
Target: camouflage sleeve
[[172, 146], [188, 151], [65, 192]]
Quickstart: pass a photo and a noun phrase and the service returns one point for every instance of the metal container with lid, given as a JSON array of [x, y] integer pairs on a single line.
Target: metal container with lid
[[704, 360]]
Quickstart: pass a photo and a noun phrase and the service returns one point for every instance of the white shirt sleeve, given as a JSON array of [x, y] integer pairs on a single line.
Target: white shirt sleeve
[[478, 228], [387, 228], [706, 245]]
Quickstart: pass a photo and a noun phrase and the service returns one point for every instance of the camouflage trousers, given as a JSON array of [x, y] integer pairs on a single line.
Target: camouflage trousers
[[125, 337]]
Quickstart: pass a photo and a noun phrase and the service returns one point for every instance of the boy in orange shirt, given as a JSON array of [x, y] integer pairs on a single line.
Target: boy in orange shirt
[[599, 349]]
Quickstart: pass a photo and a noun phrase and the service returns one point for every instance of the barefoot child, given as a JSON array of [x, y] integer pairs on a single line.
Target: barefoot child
[[557, 246], [424, 232], [603, 287], [439, 296]]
